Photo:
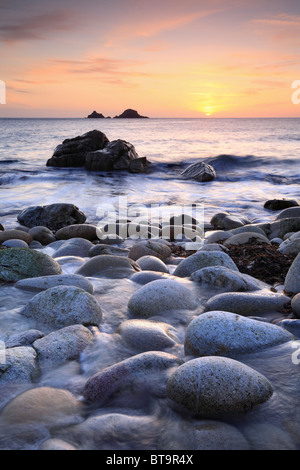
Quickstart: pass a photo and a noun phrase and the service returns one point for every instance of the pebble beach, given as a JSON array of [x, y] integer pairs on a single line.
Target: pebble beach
[[166, 342]]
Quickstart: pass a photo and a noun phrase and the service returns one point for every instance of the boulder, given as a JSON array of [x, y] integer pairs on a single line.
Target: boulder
[[19, 365], [46, 282], [74, 247], [280, 204], [53, 216], [62, 306], [16, 243], [72, 152], [21, 263], [290, 247], [217, 387], [149, 247], [23, 339], [247, 303], [226, 221], [246, 237], [280, 227], [13, 234], [220, 277], [47, 405], [105, 249], [42, 234], [295, 304], [145, 335], [199, 171], [292, 279], [87, 231], [152, 263], [219, 333], [63, 345], [288, 213], [108, 266], [116, 155], [202, 259], [163, 295], [101, 386]]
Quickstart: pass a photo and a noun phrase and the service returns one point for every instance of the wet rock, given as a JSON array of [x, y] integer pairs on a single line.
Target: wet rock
[[246, 237], [295, 304], [226, 221], [53, 216], [21, 263], [226, 279], [15, 243], [282, 226], [290, 247], [291, 325], [248, 228], [218, 236], [145, 335], [63, 345], [73, 152], [46, 282], [218, 333], [116, 155], [95, 115], [143, 277], [247, 303], [280, 204], [87, 231], [62, 306], [42, 235], [15, 235], [288, 213], [213, 247], [199, 171], [292, 279], [47, 405], [104, 384], [217, 386], [17, 365], [160, 296], [149, 247], [23, 339], [104, 249], [152, 263], [108, 266], [74, 247], [202, 259]]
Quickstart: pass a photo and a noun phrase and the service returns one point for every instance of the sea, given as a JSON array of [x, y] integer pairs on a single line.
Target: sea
[[255, 160]]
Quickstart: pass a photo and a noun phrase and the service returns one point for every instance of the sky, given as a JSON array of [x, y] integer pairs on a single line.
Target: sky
[[163, 58]]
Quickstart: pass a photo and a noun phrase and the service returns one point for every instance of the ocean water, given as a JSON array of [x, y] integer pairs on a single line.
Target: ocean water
[[255, 160]]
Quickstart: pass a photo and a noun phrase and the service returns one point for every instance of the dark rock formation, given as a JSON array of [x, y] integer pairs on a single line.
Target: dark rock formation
[[115, 156], [72, 152], [53, 216], [130, 114], [95, 115], [280, 204]]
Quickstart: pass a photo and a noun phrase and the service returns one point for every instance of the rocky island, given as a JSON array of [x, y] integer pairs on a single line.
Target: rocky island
[[130, 114]]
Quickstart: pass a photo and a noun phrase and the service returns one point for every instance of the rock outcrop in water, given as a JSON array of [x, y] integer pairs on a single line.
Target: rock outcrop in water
[[130, 114], [95, 115], [95, 152], [199, 171]]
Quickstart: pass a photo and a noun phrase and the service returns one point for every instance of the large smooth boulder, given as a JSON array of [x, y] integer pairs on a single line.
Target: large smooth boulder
[[21, 263], [280, 227], [199, 171], [145, 335], [19, 365], [72, 152], [289, 212], [62, 306], [42, 234], [87, 231], [226, 221], [46, 282], [108, 266], [101, 386], [74, 247], [47, 405], [280, 204], [63, 345], [290, 247], [149, 247], [52, 216], [202, 259], [220, 277], [219, 333], [247, 303], [160, 296], [292, 279], [14, 234], [217, 386], [246, 237]]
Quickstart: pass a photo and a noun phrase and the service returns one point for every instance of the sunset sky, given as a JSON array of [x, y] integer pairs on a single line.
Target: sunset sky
[[164, 58]]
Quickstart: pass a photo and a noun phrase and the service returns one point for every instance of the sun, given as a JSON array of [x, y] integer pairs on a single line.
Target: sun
[[207, 114]]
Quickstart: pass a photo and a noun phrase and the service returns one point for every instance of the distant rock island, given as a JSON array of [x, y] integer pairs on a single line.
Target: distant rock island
[[127, 114]]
